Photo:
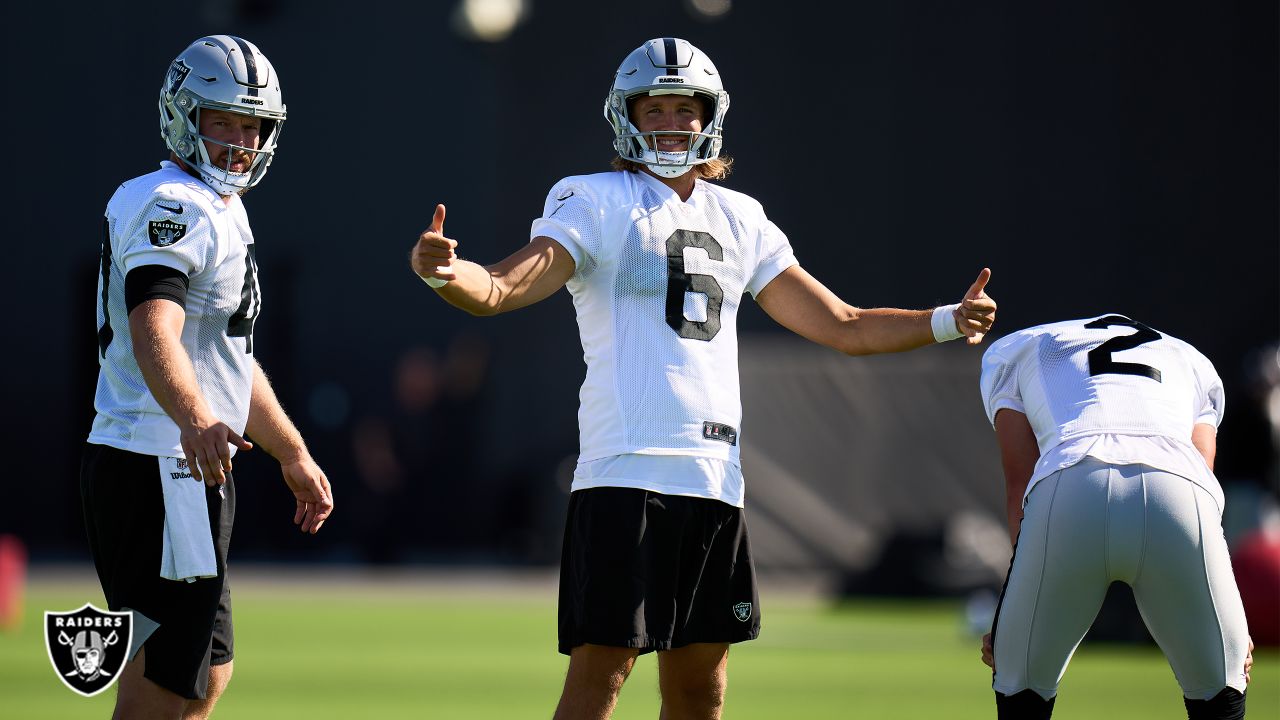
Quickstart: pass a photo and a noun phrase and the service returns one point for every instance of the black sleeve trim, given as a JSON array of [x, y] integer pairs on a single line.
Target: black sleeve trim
[[155, 281]]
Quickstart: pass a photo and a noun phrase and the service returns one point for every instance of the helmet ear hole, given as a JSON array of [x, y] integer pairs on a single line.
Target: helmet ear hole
[[708, 107]]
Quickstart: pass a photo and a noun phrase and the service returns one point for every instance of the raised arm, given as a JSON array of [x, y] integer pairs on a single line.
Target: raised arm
[[528, 275], [797, 301]]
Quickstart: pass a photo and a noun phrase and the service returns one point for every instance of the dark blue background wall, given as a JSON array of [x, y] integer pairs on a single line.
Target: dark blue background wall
[[1098, 156]]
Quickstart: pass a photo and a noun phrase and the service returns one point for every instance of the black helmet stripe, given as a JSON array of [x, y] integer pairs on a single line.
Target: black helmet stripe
[[250, 63], [673, 58]]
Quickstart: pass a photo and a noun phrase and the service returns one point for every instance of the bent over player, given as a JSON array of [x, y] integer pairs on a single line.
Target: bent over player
[[178, 385], [656, 555], [1107, 432]]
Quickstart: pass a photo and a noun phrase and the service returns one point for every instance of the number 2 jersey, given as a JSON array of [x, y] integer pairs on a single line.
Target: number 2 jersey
[[1109, 388], [657, 286], [171, 219]]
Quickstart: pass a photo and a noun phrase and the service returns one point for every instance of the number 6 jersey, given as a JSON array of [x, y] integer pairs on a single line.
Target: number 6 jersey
[[168, 218], [657, 286], [1110, 388]]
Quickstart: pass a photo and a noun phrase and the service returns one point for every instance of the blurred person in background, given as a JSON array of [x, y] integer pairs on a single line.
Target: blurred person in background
[[656, 555], [178, 386], [418, 460], [1107, 432]]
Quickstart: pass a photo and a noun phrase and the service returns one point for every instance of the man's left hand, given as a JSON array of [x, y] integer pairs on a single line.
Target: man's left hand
[[311, 489], [977, 311]]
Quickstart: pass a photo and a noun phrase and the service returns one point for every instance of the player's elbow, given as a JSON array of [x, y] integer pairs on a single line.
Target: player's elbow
[[839, 330], [852, 339], [478, 309], [857, 350]]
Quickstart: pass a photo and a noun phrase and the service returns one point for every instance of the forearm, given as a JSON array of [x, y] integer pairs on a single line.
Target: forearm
[[525, 277], [806, 307], [884, 330], [269, 426], [473, 290], [155, 329]]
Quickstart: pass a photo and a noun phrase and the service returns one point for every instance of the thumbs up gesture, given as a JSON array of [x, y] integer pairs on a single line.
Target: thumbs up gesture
[[432, 257], [977, 311]]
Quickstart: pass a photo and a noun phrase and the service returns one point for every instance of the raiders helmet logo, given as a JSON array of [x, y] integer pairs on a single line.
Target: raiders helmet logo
[[164, 233], [88, 647], [178, 72], [742, 611]]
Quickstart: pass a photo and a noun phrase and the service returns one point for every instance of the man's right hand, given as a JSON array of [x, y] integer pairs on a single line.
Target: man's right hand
[[207, 445], [432, 257]]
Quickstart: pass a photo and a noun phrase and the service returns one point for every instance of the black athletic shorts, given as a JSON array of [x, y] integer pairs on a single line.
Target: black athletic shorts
[[124, 516], [644, 570]]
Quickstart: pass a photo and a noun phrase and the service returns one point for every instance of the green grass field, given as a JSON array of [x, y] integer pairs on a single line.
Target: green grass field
[[352, 649]]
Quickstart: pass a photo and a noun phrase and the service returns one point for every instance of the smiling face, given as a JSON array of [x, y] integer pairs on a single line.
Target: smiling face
[[681, 113], [230, 128]]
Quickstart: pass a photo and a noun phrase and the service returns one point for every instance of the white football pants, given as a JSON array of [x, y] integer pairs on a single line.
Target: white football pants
[[1093, 523]]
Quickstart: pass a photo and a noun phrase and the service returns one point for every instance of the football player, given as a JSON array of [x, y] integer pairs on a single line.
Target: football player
[[1107, 432], [178, 386], [657, 258]]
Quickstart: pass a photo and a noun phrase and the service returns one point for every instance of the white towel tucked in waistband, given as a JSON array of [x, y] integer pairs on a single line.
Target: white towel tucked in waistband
[[188, 541]]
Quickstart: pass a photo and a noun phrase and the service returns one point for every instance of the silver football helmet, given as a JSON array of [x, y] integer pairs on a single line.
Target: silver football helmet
[[221, 72], [666, 66]]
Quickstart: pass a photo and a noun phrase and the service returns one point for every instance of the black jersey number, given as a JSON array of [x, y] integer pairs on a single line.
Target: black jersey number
[[1100, 360], [241, 323], [680, 282]]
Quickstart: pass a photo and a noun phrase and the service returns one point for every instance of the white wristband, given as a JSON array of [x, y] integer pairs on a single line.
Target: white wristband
[[944, 323], [434, 282]]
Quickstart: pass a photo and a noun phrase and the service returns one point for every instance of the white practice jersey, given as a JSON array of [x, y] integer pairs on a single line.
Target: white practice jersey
[[657, 287], [1109, 388], [172, 219]]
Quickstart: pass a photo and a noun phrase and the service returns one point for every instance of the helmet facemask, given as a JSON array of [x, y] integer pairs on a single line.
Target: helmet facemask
[[641, 147], [222, 178]]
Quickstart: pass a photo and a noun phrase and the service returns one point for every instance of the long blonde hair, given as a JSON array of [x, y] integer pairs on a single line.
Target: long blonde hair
[[717, 169]]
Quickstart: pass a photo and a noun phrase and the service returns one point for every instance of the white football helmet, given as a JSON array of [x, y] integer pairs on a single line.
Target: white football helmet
[[221, 72], [666, 66]]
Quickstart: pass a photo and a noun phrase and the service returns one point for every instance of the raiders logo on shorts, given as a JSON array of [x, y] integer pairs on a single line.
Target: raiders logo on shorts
[[88, 647]]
